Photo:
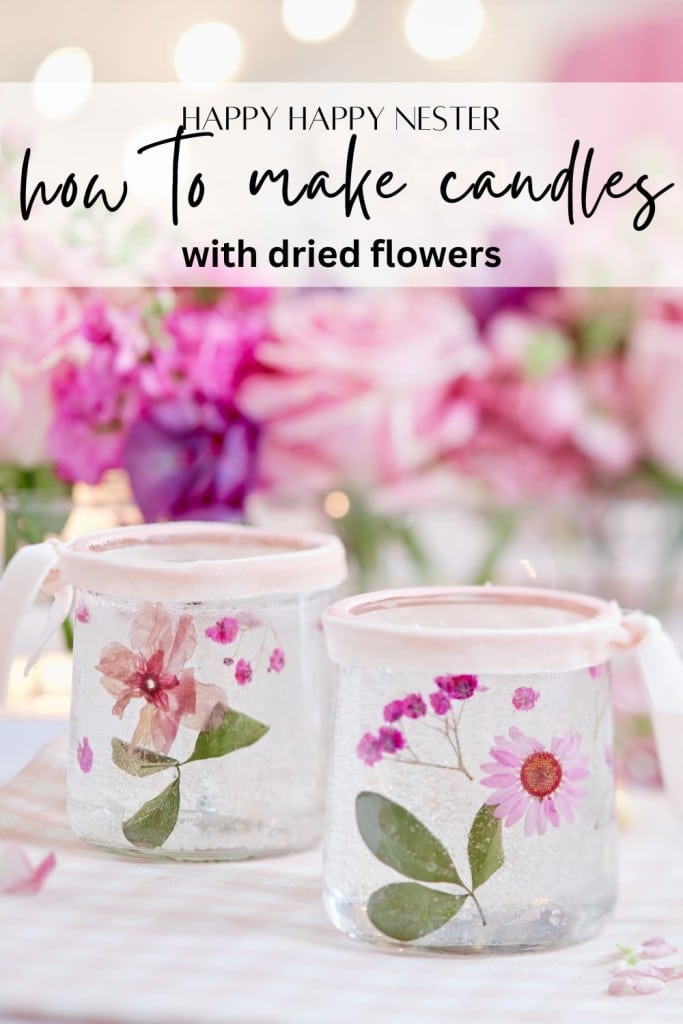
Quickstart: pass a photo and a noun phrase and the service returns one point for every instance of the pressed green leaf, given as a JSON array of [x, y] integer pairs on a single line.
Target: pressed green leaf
[[398, 839], [485, 846], [234, 732], [407, 911], [151, 826], [137, 761]]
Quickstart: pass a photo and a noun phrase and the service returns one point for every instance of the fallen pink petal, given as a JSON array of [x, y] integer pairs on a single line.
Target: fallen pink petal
[[634, 984], [17, 876], [651, 949]]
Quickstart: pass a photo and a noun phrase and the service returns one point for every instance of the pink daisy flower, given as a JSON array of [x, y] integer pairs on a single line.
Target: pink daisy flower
[[533, 782]]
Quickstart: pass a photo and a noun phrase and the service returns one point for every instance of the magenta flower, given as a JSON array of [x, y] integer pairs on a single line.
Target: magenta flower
[[17, 877], [524, 698], [457, 687], [369, 749], [243, 672], [393, 711], [414, 706], [533, 782], [96, 401], [390, 740], [276, 662], [224, 631], [82, 612], [440, 702], [84, 755], [154, 670]]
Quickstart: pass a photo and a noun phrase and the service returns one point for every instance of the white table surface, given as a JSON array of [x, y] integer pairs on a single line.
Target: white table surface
[[248, 942]]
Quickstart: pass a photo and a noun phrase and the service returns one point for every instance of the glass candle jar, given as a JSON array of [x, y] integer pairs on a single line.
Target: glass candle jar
[[199, 686], [471, 787]]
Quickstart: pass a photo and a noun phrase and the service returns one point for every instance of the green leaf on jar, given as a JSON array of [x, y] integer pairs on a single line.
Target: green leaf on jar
[[151, 826], [137, 760], [233, 732], [397, 838], [406, 911], [485, 846]]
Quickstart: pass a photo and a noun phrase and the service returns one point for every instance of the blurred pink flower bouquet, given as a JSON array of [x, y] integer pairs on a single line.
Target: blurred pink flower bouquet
[[205, 398]]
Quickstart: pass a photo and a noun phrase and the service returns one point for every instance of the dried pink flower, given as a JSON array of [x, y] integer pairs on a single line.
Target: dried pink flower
[[393, 711], [524, 698], [390, 740], [154, 670], [243, 672], [440, 702], [414, 706], [224, 631], [82, 612], [84, 755], [369, 749], [535, 782]]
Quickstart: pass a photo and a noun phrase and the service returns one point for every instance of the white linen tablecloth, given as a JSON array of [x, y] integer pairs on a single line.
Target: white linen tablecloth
[[112, 940]]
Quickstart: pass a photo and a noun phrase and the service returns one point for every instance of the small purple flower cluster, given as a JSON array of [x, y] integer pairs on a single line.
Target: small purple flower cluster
[[388, 741]]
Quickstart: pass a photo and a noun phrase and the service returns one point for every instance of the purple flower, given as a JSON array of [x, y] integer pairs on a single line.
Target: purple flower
[[84, 755], [393, 711], [440, 702], [390, 740], [277, 660], [190, 458], [243, 672], [457, 687], [524, 698], [414, 706], [224, 631], [369, 749]]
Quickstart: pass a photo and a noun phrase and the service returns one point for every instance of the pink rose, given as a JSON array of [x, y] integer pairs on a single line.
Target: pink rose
[[361, 387], [37, 329], [655, 365]]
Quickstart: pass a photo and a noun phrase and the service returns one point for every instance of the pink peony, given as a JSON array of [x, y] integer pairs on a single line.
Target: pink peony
[[38, 328], [533, 782], [154, 670], [17, 877], [457, 687], [541, 426], [655, 370], [358, 387], [98, 396]]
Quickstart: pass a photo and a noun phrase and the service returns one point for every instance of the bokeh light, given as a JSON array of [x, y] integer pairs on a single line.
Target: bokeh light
[[443, 29], [207, 53], [62, 82], [336, 504], [311, 21]]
